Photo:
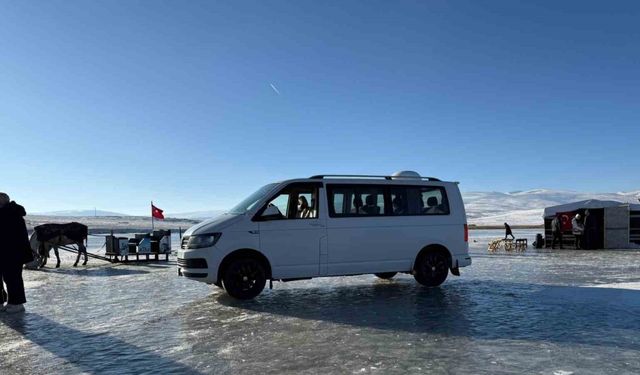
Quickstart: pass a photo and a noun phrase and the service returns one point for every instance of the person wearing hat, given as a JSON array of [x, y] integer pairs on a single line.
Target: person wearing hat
[[14, 252], [578, 230]]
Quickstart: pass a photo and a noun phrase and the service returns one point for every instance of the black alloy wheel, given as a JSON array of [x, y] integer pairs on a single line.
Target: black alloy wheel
[[432, 268], [244, 278]]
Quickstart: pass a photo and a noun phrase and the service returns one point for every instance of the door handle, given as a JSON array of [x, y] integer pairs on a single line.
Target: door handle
[[316, 225]]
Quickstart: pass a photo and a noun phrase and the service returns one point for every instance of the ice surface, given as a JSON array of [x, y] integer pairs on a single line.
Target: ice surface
[[533, 313]]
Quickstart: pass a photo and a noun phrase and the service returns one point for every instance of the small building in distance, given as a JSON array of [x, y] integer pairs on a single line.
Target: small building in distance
[[609, 225]]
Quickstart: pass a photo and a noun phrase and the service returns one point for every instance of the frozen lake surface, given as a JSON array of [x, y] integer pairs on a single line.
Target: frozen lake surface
[[540, 312]]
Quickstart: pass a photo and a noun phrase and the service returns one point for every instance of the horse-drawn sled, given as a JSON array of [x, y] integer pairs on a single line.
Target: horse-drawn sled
[[72, 237]]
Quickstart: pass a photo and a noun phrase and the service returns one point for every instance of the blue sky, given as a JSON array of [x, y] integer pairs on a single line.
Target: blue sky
[[115, 103]]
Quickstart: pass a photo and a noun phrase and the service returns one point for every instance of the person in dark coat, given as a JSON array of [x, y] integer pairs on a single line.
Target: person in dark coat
[[508, 232], [556, 230], [14, 252]]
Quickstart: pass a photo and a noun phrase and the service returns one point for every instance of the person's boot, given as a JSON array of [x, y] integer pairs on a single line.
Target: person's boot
[[13, 309]]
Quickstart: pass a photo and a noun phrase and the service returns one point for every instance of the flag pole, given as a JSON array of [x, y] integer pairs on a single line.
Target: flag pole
[[152, 222]]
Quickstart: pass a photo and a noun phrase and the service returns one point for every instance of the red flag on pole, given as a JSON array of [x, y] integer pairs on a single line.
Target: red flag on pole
[[565, 220], [156, 212]]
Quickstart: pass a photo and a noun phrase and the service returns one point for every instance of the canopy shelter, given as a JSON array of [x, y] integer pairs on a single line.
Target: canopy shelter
[[608, 224]]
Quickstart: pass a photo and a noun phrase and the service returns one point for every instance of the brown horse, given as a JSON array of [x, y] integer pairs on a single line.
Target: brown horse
[[53, 236]]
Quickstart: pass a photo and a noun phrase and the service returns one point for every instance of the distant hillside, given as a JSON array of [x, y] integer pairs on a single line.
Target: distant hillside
[[119, 224], [197, 214], [526, 207], [81, 213], [483, 209]]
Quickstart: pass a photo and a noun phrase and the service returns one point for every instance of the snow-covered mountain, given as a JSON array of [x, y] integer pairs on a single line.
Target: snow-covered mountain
[[526, 207], [80, 213], [197, 215]]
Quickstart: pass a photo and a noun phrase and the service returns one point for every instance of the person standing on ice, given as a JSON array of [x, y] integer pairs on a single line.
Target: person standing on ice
[[556, 230], [14, 252], [578, 230], [508, 232]]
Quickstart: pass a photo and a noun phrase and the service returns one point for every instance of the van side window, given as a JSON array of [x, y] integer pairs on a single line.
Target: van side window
[[298, 201], [356, 200], [399, 201], [338, 203], [394, 200], [433, 201], [282, 203]]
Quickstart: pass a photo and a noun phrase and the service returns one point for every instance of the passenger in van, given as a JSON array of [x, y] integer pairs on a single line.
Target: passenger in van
[[371, 208], [304, 211], [399, 206], [357, 205], [432, 206], [421, 205]]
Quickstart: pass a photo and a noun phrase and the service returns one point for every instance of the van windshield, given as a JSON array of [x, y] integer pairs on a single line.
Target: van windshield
[[249, 202]]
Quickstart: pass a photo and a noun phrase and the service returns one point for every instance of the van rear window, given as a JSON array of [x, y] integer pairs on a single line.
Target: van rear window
[[386, 200]]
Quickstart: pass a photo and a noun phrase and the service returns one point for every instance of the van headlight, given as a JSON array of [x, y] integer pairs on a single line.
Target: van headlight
[[198, 241]]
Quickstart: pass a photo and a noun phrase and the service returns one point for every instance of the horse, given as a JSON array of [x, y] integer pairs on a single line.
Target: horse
[[52, 236]]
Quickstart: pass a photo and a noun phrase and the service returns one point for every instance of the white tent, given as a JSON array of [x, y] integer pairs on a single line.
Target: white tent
[[586, 205], [620, 222]]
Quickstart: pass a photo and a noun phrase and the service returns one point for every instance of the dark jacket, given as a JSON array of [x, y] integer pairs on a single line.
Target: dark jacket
[[14, 240], [508, 229]]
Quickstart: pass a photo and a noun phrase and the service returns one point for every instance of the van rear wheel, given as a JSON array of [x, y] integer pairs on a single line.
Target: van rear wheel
[[386, 275], [431, 268], [244, 278]]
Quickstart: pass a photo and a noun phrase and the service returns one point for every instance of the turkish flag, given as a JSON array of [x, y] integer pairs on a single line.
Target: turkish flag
[[565, 219], [156, 212]]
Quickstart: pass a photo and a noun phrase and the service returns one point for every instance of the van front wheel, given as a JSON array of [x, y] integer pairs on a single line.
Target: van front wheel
[[431, 268], [386, 275], [244, 278]]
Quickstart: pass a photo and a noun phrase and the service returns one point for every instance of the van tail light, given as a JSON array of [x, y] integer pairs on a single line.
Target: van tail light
[[466, 233]]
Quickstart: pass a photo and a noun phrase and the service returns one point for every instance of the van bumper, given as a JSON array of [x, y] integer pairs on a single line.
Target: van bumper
[[195, 264], [463, 260]]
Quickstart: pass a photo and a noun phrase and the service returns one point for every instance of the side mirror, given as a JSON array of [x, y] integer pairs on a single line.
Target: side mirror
[[271, 213]]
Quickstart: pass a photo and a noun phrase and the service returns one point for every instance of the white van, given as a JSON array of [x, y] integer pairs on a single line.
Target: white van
[[331, 225]]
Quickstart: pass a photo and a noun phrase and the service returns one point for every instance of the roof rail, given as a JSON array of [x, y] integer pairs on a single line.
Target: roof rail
[[322, 176]]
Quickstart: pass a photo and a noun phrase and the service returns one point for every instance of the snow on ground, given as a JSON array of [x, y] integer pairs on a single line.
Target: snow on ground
[[629, 285]]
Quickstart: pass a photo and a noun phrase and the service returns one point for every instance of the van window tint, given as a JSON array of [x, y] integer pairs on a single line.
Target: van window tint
[[371, 200], [357, 200], [433, 201], [338, 203], [399, 201]]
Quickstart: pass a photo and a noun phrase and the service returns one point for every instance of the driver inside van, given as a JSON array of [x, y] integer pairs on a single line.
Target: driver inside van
[[304, 211]]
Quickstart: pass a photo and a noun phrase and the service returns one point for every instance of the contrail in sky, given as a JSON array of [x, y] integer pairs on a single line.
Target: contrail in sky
[[274, 88]]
